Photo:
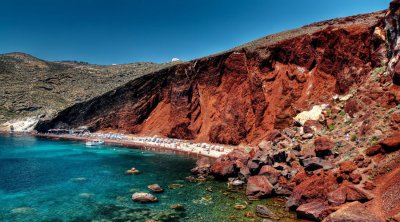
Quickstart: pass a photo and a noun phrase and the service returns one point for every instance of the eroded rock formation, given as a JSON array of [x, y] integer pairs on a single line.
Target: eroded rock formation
[[240, 95]]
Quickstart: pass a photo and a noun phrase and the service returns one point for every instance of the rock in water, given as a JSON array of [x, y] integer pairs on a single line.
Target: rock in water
[[202, 166], [223, 168], [178, 207], [264, 212], [175, 186], [133, 170], [155, 188], [144, 197], [237, 183]]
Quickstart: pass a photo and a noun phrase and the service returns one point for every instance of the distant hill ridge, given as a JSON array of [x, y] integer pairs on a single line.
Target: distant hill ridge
[[31, 86]]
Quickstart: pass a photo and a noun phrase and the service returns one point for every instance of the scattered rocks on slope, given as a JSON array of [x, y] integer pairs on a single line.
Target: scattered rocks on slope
[[316, 210], [315, 187], [323, 146], [353, 212], [348, 193], [315, 163], [390, 144], [271, 173], [347, 167]]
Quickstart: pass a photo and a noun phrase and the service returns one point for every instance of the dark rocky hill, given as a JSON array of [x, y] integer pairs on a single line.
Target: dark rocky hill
[[31, 86]]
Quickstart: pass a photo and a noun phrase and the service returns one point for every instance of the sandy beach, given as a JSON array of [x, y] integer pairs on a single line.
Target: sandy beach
[[156, 144]]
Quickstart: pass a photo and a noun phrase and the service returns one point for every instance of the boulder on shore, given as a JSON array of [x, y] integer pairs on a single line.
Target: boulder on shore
[[312, 188], [264, 212], [258, 187], [316, 210], [271, 173], [223, 168], [202, 166]]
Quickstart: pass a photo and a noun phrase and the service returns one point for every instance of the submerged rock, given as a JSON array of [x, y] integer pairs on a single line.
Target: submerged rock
[[79, 179], [239, 206], [203, 166], [133, 170], [175, 186], [23, 210], [178, 207], [264, 212], [144, 197], [86, 195], [155, 188]]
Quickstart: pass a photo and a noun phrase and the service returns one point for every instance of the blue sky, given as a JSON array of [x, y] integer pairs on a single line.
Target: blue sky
[[123, 31]]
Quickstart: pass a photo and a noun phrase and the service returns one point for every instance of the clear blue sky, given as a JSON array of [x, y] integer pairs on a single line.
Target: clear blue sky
[[123, 31]]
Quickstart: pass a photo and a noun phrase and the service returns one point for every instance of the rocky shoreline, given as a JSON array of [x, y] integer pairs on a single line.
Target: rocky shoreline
[[318, 184]]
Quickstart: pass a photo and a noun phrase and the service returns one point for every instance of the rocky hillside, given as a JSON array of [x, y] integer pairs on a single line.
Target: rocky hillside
[[338, 161], [30, 86], [240, 95]]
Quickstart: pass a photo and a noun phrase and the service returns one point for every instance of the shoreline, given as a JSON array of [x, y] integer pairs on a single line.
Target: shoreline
[[185, 148]]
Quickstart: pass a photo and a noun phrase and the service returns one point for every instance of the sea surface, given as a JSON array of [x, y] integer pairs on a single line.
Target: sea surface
[[47, 180]]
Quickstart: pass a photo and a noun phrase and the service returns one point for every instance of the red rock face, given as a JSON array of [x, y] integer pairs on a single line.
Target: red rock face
[[241, 95], [393, 33]]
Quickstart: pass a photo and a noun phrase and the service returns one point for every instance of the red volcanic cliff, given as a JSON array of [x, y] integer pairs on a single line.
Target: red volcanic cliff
[[240, 95]]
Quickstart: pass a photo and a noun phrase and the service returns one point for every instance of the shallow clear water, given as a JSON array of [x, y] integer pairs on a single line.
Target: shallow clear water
[[45, 180]]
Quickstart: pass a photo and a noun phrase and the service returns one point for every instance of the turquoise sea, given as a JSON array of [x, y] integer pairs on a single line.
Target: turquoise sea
[[47, 180]]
